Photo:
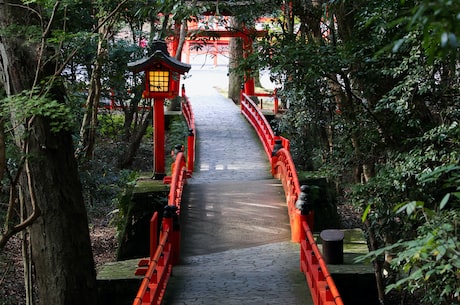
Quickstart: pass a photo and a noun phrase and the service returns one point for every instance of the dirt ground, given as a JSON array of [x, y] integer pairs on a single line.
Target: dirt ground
[[12, 291]]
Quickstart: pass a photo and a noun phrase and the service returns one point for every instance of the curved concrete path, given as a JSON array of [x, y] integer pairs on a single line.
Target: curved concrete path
[[235, 247]]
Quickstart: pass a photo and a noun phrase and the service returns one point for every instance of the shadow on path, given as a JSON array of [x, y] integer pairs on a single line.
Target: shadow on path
[[235, 246]]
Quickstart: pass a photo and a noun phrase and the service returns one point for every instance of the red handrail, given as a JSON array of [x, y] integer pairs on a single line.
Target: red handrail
[[259, 123], [166, 255], [157, 275], [322, 287], [312, 264], [177, 181], [191, 139], [283, 168]]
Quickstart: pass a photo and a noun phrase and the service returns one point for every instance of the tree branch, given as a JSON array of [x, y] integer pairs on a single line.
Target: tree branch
[[10, 232], [96, 30], [43, 43]]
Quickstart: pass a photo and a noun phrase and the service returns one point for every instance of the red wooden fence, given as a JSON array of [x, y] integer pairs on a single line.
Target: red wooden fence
[[191, 139], [165, 251], [312, 264], [158, 267]]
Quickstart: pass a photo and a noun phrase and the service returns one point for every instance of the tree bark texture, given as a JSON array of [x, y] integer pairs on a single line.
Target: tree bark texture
[[59, 237], [236, 54], [61, 247]]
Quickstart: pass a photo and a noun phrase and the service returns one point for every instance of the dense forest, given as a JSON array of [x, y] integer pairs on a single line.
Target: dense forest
[[371, 91], [373, 94]]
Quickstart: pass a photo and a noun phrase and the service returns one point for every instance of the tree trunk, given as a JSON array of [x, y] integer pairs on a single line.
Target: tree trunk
[[236, 54], [61, 247], [126, 159], [89, 124], [49, 183]]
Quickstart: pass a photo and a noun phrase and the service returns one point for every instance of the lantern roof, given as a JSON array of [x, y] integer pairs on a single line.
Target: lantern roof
[[159, 55]]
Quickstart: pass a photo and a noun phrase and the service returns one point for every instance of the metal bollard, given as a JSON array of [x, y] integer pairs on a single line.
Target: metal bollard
[[332, 246]]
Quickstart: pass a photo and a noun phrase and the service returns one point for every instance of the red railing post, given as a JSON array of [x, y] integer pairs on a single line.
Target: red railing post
[[304, 212], [170, 223], [189, 117], [167, 223], [277, 145], [190, 150], [296, 229], [275, 100], [153, 234]]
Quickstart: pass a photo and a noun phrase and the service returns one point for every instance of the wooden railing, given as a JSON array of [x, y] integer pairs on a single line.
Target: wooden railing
[[164, 254], [322, 287], [283, 168], [158, 270], [312, 264], [191, 139], [259, 123], [165, 249]]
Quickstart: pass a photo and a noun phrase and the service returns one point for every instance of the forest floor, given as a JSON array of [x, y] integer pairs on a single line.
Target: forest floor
[[12, 292], [103, 234]]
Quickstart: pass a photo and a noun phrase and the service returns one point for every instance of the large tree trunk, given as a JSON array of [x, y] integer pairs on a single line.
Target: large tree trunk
[[49, 183], [60, 241], [61, 247], [236, 54]]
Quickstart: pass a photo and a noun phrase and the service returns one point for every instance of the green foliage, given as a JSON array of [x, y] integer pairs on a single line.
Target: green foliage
[[30, 33], [426, 172], [110, 125], [102, 183], [27, 105], [439, 23], [429, 264], [427, 183], [177, 134], [120, 54], [373, 103]]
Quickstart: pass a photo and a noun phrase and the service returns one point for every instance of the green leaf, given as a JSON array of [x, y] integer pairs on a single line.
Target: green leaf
[[444, 201], [398, 44], [410, 207], [365, 213]]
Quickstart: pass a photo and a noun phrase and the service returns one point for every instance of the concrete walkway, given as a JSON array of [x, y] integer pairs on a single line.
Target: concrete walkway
[[236, 247]]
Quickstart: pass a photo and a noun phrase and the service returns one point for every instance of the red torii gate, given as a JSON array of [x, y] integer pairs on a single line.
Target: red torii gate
[[247, 35]]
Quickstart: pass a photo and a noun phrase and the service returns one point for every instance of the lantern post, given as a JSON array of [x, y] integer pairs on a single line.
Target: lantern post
[[162, 81]]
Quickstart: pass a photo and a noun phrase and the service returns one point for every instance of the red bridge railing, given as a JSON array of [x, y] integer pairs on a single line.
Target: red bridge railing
[[258, 121], [312, 264], [158, 270], [191, 140], [165, 250], [164, 253]]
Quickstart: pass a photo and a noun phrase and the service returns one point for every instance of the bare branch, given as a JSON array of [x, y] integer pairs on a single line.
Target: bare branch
[[43, 43], [11, 231], [96, 30], [24, 7]]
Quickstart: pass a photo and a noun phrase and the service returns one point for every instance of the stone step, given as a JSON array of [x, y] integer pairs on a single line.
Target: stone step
[[117, 284]]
